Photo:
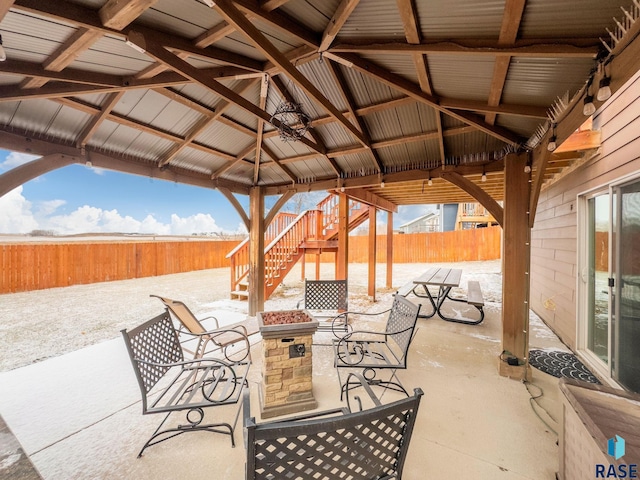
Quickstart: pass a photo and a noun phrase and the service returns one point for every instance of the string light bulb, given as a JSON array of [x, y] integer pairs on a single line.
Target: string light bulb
[[552, 145], [430, 182], [483, 178], [3, 53], [589, 108], [604, 89]]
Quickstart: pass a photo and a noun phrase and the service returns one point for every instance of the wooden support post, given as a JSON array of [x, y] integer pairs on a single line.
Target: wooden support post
[[515, 261], [371, 289], [342, 257], [319, 236], [256, 250], [389, 249], [303, 264]]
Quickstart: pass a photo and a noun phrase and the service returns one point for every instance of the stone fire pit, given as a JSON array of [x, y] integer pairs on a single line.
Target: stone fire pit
[[287, 362]]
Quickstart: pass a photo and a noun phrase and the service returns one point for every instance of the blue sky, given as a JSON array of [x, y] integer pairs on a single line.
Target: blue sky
[[79, 199]]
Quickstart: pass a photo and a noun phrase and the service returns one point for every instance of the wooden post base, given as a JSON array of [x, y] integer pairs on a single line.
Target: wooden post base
[[515, 372]]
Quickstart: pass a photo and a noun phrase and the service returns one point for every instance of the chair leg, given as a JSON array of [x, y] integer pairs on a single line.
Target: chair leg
[[369, 375], [193, 426]]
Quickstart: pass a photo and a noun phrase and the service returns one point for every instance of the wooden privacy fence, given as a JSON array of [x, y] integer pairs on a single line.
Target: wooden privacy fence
[[35, 266], [456, 246]]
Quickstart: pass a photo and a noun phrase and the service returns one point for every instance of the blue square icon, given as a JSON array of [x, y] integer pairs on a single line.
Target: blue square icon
[[615, 447]]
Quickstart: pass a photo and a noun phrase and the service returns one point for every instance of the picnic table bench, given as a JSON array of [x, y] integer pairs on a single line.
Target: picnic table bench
[[445, 279]]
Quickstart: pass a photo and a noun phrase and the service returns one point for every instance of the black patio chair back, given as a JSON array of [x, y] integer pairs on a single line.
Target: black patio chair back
[[325, 295], [370, 444]]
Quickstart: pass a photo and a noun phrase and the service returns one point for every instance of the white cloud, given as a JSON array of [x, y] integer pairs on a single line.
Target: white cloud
[[15, 159], [197, 223], [15, 213], [20, 216]]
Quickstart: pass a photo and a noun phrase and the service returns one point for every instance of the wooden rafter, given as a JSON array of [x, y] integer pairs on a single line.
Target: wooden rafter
[[64, 55], [160, 54], [5, 5], [343, 87], [282, 167], [234, 161], [508, 35], [264, 89], [409, 88], [88, 18], [287, 25], [412, 33], [280, 86], [122, 120], [339, 18], [239, 21], [23, 141], [538, 48], [204, 123], [91, 127], [69, 75], [117, 14]]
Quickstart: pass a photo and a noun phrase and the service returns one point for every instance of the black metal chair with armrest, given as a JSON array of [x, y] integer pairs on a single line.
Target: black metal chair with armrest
[[327, 302], [370, 351], [169, 383], [339, 443]]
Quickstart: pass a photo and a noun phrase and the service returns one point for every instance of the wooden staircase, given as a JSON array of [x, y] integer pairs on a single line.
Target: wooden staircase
[[288, 238]]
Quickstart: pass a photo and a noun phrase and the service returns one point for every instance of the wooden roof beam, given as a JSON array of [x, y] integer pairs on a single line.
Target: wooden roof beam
[[343, 87], [340, 16], [93, 125], [160, 54], [239, 21], [409, 88], [22, 141], [5, 5], [390, 178], [89, 18], [412, 33], [122, 120], [538, 48], [282, 167], [280, 86], [117, 14], [251, 10], [511, 20], [478, 193]]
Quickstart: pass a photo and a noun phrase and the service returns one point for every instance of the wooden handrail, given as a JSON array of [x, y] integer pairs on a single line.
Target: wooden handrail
[[285, 237]]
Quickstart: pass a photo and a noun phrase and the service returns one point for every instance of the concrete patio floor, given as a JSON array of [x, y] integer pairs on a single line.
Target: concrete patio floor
[[78, 415]]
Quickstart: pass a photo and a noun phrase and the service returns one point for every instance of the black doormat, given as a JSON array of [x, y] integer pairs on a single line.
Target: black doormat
[[561, 364]]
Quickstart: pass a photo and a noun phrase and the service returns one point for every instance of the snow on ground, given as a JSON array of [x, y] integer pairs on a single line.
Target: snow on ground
[[42, 324]]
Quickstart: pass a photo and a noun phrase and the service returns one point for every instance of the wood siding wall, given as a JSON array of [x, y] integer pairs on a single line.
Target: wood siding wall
[[554, 257], [35, 266]]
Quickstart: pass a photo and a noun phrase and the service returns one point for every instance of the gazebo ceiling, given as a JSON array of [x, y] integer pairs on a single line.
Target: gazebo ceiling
[[397, 92]]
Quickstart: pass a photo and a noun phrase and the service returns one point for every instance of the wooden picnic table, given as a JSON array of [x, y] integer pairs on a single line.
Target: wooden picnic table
[[445, 279]]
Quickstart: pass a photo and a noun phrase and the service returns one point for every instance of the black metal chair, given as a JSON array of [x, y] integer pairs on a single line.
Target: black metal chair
[[371, 351], [368, 444], [327, 301], [169, 383]]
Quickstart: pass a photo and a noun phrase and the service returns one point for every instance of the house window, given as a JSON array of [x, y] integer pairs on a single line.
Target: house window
[[609, 282]]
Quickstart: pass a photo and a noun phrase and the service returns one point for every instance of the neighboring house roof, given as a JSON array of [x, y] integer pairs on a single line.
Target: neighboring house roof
[[419, 219]]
